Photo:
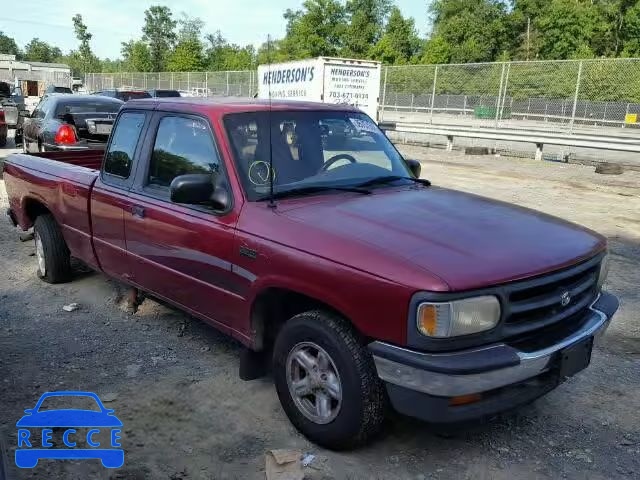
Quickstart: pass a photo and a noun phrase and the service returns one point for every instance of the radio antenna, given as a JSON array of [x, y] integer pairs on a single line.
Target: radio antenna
[[272, 203]]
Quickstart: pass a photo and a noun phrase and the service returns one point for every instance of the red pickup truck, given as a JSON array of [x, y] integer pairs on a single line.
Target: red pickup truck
[[300, 230]]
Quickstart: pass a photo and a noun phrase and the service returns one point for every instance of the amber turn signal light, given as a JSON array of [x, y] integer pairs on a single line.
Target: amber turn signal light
[[428, 319]]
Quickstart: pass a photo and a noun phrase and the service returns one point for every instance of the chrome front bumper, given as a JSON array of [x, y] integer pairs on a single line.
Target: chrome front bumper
[[406, 368]]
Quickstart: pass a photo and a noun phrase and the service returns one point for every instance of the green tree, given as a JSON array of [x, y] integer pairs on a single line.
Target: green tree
[[631, 32], [136, 56], [566, 26], [88, 61], [38, 51], [159, 33], [8, 45], [436, 50], [190, 27], [221, 55], [366, 25], [474, 30], [400, 42], [272, 52], [316, 30], [186, 57]]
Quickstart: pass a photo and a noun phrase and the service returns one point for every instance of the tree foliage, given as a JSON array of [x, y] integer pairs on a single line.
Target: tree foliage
[[8, 45], [136, 56], [83, 60], [38, 51], [159, 33], [460, 31]]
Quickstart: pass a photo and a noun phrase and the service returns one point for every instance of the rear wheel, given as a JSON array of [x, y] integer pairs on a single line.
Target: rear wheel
[[3, 139], [327, 382], [52, 253]]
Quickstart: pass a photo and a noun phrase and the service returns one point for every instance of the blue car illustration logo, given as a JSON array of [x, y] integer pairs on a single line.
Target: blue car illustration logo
[[99, 423]]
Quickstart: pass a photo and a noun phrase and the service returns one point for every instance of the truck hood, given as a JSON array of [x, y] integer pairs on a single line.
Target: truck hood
[[443, 239]]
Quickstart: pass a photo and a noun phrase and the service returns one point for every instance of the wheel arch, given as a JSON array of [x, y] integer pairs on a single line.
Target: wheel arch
[[273, 306]]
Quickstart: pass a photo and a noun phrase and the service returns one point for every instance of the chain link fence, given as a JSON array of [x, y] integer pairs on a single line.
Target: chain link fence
[[549, 95], [200, 84]]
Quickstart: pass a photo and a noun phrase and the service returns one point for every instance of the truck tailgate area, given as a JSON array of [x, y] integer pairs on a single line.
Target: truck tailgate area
[[34, 182]]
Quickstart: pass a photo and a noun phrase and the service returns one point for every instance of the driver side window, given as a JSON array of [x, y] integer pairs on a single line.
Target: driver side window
[[183, 145]]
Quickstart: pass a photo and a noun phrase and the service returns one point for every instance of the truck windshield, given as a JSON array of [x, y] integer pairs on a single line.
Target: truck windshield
[[312, 151]]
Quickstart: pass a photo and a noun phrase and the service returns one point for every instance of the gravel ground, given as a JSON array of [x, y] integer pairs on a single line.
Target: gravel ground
[[173, 380]]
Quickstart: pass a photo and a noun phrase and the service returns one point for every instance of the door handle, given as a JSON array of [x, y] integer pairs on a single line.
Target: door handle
[[137, 211]]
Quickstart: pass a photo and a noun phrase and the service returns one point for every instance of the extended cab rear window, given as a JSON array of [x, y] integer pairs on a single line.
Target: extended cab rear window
[[123, 144]]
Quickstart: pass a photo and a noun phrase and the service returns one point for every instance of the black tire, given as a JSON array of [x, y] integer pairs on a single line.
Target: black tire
[[57, 259], [3, 139], [607, 168], [363, 403]]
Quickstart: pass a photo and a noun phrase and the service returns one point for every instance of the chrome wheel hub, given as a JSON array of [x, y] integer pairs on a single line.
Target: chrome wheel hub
[[314, 383], [42, 266]]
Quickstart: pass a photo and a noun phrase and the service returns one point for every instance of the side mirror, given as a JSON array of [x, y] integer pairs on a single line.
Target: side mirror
[[415, 167], [199, 189]]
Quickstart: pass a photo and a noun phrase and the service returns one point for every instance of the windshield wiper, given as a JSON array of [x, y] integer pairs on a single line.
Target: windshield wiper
[[314, 189], [392, 178]]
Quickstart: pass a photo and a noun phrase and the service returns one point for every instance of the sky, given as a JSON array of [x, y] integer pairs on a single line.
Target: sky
[[115, 21]]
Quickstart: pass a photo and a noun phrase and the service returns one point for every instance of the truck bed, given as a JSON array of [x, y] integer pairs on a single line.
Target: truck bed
[[60, 182], [83, 158]]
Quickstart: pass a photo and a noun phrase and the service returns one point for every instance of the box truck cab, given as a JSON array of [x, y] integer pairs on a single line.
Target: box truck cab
[[324, 79]]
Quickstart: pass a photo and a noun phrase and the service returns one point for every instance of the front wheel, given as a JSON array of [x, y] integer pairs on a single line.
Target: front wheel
[[327, 382]]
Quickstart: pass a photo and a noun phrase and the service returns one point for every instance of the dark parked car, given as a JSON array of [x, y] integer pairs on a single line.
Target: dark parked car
[[12, 109], [3, 129], [157, 93], [69, 122], [359, 282], [124, 95], [53, 89]]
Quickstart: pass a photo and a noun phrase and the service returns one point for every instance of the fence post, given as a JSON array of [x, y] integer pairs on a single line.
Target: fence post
[[575, 98], [384, 92], [499, 95], [206, 83], [433, 93], [504, 90], [227, 83], [172, 81], [412, 97]]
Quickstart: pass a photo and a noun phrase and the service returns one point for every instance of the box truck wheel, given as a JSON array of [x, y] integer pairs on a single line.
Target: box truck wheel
[[52, 253], [327, 382]]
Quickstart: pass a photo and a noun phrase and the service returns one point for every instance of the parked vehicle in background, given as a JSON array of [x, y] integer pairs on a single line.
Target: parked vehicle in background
[[69, 122], [159, 93], [124, 95], [54, 89], [360, 282], [324, 79], [4, 129], [76, 84], [10, 105]]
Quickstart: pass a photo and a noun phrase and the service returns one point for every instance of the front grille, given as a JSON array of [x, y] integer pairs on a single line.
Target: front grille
[[538, 303]]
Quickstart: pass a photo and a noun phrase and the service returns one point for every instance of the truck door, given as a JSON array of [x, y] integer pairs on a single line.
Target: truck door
[[181, 253], [109, 197]]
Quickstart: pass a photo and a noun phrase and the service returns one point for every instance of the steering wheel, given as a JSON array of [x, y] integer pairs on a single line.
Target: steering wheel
[[337, 158]]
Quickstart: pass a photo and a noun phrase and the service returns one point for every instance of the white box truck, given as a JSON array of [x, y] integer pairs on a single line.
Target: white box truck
[[324, 79]]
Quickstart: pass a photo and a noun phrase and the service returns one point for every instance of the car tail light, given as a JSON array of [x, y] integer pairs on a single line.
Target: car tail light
[[1, 116], [65, 135]]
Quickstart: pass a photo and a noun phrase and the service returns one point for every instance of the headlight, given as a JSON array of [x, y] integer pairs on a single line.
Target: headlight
[[604, 271], [458, 317]]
